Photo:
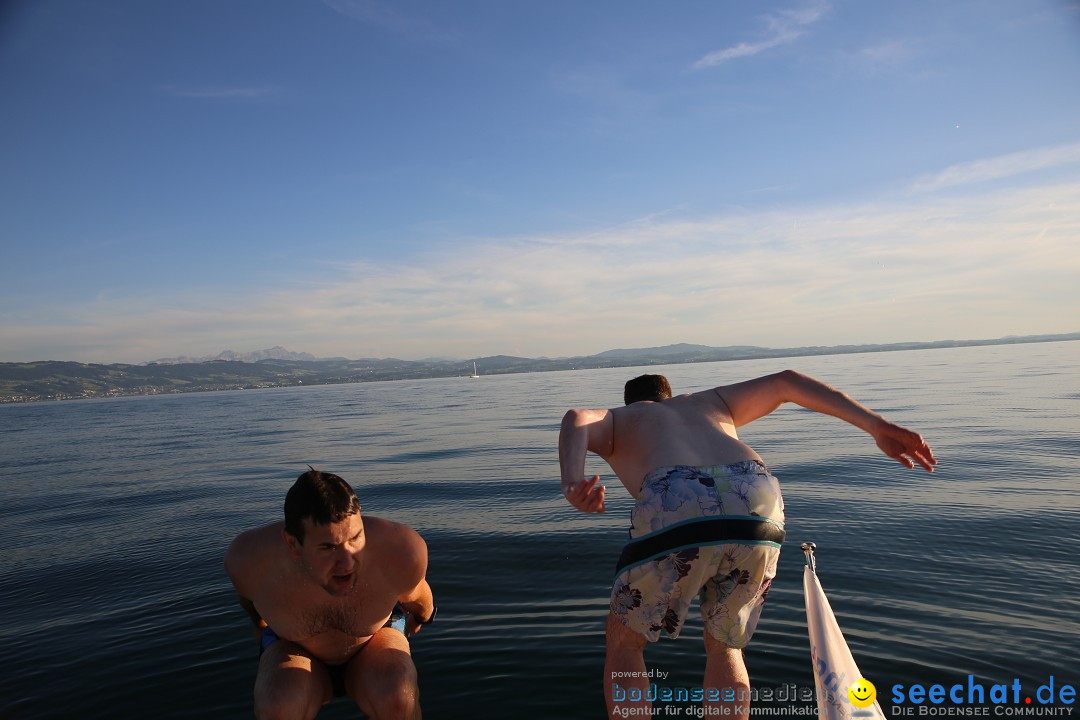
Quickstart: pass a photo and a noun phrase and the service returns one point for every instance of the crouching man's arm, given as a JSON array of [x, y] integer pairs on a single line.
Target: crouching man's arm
[[236, 565], [584, 431], [256, 618], [417, 600], [750, 400]]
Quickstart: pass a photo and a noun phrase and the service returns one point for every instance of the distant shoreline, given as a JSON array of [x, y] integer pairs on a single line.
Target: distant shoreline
[[61, 380]]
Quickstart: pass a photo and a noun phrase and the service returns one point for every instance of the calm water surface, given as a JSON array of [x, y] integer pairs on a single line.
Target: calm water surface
[[116, 513]]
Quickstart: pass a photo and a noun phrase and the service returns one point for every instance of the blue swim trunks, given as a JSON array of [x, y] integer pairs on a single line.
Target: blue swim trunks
[[337, 672], [714, 532]]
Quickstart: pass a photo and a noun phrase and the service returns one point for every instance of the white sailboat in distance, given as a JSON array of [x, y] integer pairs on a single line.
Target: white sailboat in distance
[[474, 373]]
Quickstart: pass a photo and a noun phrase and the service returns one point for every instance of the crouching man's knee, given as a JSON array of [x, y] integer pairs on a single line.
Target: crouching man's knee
[[285, 706], [398, 694]]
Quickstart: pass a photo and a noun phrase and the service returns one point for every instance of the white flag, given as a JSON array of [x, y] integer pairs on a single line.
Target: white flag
[[834, 669]]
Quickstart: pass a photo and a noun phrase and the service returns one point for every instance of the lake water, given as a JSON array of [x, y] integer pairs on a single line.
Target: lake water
[[116, 514]]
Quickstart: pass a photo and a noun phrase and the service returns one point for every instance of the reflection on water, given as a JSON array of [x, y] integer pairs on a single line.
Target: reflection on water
[[117, 513]]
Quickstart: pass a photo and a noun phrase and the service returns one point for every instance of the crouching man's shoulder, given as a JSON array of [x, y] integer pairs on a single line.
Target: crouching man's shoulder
[[400, 547], [248, 553]]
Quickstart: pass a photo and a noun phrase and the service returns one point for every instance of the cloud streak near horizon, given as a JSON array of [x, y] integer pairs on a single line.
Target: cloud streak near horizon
[[997, 168], [936, 267]]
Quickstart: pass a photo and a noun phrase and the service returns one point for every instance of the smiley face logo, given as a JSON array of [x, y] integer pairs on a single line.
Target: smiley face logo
[[862, 693]]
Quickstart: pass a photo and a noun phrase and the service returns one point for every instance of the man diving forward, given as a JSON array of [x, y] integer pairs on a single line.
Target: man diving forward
[[708, 520]]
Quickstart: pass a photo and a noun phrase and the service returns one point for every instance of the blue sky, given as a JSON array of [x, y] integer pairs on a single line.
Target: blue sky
[[369, 179]]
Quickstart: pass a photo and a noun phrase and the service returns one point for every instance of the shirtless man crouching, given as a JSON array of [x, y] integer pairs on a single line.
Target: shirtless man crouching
[[333, 597]]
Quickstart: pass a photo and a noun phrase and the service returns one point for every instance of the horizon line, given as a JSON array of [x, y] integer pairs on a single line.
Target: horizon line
[[925, 344]]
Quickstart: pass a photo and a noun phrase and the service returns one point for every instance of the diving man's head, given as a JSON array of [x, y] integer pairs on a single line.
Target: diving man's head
[[646, 387]]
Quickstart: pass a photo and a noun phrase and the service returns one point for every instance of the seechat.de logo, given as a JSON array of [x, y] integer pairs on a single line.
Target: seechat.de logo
[[973, 698]]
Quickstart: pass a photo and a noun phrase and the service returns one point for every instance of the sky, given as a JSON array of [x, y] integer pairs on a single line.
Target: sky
[[419, 179]]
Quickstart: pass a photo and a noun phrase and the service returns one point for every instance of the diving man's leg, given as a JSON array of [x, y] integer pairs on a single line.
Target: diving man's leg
[[624, 668], [724, 669]]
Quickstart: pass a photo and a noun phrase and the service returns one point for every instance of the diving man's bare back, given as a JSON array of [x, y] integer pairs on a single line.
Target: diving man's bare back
[[700, 429]]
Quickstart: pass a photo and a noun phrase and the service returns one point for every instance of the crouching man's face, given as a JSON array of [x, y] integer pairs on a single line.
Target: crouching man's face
[[329, 553]]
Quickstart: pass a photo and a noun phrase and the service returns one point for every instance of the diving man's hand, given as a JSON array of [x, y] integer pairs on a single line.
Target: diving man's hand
[[587, 495], [905, 446]]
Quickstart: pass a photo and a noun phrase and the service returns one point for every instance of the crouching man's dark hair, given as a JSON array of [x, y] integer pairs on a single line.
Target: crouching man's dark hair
[[321, 496], [646, 387]]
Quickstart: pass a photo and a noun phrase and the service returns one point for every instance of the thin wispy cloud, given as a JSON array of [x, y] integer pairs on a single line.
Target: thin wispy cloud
[[997, 168], [611, 104], [893, 53], [260, 92], [385, 16], [604, 86], [372, 12], [784, 27]]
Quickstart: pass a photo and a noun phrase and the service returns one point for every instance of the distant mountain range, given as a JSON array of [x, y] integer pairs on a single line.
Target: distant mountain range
[[681, 350], [275, 353], [278, 367]]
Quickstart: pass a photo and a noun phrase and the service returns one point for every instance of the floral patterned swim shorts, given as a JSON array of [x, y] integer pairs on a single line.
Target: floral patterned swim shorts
[[710, 531]]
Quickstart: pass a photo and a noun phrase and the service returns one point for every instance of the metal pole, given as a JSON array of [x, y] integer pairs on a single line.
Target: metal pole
[[808, 550]]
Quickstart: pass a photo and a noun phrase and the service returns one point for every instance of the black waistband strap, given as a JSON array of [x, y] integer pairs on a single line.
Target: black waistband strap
[[707, 531]]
